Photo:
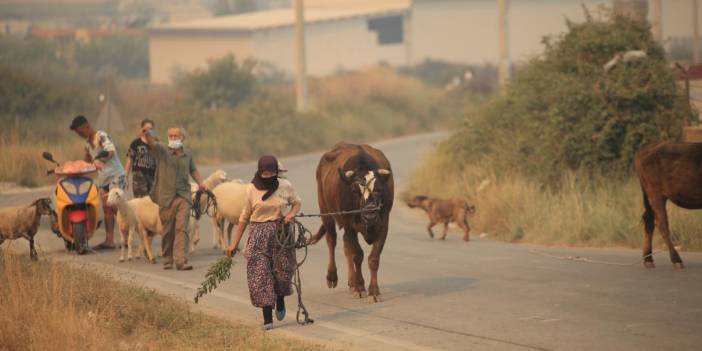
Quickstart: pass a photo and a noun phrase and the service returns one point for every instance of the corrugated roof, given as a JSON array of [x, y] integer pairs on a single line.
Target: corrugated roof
[[279, 18]]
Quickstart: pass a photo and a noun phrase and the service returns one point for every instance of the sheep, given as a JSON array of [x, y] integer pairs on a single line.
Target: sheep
[[148, 224], [231, 199], [23, 222], [126, 219], [212, 181]]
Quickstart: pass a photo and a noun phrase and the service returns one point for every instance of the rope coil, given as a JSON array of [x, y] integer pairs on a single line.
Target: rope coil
[[292, 237], [210, 205]]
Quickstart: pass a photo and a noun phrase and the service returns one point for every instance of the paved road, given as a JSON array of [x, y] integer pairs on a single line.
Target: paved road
[[451, 295]]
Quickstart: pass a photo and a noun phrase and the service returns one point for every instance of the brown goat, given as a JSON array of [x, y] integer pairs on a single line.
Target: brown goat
[[444, 211]]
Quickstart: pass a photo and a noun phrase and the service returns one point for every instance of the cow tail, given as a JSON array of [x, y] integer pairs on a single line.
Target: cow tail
[[648, 215], [320, 234]]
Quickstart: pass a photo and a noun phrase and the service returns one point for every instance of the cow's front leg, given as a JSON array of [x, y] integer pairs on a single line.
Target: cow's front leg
[[374, 265], [354, 258]]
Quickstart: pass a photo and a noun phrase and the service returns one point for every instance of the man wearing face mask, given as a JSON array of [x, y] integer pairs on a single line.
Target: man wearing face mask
[[171, 191]]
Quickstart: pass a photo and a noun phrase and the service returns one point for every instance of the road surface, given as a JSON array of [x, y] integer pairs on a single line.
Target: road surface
[[446, 295]]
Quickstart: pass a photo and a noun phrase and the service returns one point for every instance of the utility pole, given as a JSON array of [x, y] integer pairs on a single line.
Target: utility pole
[[696, 34], [503, 44], [407, 28], [657, 20], [301, 81]]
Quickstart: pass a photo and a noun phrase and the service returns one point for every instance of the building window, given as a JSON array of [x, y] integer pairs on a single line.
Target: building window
[[389, 29]]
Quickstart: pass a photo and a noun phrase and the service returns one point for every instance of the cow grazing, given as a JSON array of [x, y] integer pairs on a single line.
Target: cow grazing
[[444, 211], [353, 177], [667, 171]]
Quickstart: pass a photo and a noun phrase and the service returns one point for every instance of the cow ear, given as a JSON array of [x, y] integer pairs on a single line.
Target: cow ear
[[346, 176]]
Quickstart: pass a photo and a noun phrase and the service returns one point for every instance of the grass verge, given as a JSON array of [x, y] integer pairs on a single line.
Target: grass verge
[[581, 212], [49, 305]]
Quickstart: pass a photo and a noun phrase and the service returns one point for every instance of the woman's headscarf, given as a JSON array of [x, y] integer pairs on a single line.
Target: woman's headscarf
[[266, 163]]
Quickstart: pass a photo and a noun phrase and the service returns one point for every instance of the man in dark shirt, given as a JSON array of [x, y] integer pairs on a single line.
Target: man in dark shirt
[[140, 163]]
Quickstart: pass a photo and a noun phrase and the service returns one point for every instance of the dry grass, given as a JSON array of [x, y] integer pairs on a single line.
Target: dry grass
[[21, 161], [53, 306], [583, 212], [360, 106]]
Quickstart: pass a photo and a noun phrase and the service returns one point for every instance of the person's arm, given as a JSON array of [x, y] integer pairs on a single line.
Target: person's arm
[[128, 167], [149, 136], [198, 179], [240, 228], [196, 175], [293, 211], [127, 170], [296, 204], [243, 223], [106, 144]]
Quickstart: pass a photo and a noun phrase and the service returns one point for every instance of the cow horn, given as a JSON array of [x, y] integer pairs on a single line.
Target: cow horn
[[383, 171]]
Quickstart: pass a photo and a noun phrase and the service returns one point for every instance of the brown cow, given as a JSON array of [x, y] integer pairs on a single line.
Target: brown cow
[[444, 211], [353, 177], [667, 171]]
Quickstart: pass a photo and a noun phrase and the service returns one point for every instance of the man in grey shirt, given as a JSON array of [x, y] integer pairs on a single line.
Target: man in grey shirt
[[171, 191], [110, 171]]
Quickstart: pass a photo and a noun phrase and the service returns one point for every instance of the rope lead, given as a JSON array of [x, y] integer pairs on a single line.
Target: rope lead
[[292, 237]]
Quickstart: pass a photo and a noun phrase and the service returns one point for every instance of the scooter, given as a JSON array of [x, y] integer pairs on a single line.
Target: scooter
[[77, 202]]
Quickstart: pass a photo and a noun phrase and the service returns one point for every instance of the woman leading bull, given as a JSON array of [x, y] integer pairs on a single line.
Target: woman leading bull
[[269, 268]]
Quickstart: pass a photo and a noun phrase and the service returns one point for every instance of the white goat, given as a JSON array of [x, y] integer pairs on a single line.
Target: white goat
[[126, 219], [212, 181], [23, 222]]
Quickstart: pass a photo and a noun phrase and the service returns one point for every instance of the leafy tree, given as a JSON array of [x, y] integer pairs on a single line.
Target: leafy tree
[[564, 111], [225, 83]]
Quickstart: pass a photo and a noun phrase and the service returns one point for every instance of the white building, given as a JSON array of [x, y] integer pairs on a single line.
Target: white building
[[351, 34]]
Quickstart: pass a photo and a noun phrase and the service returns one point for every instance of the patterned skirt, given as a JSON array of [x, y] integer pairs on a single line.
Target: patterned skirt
[[269, 268]]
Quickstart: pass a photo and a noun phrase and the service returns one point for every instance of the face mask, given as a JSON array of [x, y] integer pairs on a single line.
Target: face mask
[[175, 144]]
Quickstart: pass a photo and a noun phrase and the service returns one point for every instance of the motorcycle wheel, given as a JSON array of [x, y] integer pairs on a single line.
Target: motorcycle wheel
[[80, 239]]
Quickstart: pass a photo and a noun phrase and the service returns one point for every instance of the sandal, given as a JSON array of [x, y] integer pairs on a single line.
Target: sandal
[[104, 246]]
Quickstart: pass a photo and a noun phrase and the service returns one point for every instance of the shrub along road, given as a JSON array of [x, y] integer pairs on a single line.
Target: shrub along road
[[447, 295]]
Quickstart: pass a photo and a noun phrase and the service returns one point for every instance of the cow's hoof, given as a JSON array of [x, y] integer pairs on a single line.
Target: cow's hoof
[[374, 299], [442, 238], [466, 239], [121, 259], [129, 259], [358, 294], [649, 264], [332, 279], [152, 261], [678, 266]]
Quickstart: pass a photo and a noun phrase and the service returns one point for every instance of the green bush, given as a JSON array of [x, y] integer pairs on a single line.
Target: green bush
[[225, 83], [564, 112]]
